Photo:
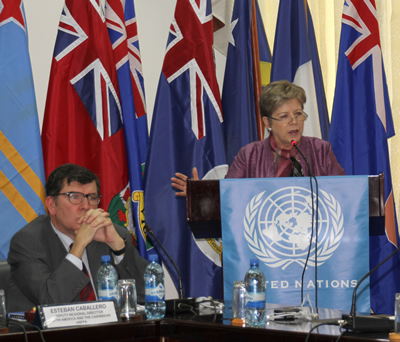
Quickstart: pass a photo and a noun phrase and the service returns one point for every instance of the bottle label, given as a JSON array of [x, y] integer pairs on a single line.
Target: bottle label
[[108, 294], [155, 294], [255, 300]]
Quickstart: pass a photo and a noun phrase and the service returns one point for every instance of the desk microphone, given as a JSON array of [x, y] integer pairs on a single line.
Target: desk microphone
[[368, 323], [294, 143], [174, 305]]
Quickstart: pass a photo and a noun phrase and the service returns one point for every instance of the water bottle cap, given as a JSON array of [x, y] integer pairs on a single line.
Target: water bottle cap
[[153, 257], [254, 262], [105, 258]]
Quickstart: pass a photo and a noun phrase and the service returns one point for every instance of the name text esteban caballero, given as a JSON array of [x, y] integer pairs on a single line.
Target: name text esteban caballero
[[83, 307]]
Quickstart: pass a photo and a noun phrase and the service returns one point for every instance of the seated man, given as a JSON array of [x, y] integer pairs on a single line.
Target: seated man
[[48, 256]]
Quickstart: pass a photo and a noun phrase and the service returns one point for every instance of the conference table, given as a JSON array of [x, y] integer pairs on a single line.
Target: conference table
[[195, 326]]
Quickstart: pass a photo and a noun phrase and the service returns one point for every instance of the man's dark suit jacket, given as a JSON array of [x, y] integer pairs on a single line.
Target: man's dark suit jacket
[[40, 273]]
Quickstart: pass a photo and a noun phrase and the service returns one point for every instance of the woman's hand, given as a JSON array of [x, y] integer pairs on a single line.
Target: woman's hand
[[180, 180]]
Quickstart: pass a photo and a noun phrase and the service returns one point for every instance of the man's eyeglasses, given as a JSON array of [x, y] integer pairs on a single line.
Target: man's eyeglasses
[[286, 118], [77, 197]]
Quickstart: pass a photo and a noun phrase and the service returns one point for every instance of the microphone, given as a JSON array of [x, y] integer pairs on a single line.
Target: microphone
[[294, 143], [174, 305], [297, 169], [149, 230], [368, 323]]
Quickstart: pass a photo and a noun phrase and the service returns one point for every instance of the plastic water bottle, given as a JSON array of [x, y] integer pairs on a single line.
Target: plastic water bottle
[[255, 287], [107, 280], [154, 289], [3, 312]]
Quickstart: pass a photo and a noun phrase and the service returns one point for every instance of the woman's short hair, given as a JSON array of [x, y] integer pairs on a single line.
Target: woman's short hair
[[278, 93]]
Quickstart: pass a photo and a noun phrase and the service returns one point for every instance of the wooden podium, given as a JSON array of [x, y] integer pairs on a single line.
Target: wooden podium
[[204, 214]]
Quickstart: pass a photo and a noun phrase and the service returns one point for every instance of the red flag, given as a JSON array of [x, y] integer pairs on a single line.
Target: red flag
[[83, 117]]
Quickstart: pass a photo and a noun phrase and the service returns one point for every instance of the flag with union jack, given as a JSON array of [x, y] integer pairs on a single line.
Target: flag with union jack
[[186, 131], [295, 58], [122, 29], [83, 116], [22, 195], [135, 63], [361, 124]]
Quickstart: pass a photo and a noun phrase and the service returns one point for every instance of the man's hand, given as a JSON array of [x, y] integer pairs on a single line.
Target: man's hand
[[180, 181], [97, 226], [90, 224]]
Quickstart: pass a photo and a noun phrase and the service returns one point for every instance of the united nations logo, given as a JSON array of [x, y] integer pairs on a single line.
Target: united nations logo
[[278, 227]]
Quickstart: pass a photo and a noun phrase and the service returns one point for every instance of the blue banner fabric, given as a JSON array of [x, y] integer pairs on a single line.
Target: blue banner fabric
[[271, 218]]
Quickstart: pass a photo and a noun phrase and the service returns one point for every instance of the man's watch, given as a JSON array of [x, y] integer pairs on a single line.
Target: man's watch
[[121, 251]]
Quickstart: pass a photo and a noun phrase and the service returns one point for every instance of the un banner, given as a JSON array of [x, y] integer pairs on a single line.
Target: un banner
[[271, 219]]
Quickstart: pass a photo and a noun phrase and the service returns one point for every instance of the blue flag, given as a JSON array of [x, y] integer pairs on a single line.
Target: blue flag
[[186, 131], [135, 65], [296, 59], [238, 97], [123, 34], [22, 195], [361, 124]]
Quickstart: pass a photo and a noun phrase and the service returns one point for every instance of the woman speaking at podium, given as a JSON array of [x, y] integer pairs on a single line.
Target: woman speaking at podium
[[281, 107]]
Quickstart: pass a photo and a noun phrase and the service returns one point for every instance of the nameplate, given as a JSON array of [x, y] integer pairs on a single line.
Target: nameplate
[[76, 314], [19, 316]]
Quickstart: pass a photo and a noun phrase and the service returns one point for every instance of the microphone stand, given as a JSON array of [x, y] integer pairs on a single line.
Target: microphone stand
[[366, 323], [180, 292], [294, 143], [174, 305]]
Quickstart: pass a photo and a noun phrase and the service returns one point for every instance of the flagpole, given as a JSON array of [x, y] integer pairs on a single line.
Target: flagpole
[[256, 70], [305, 11]]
